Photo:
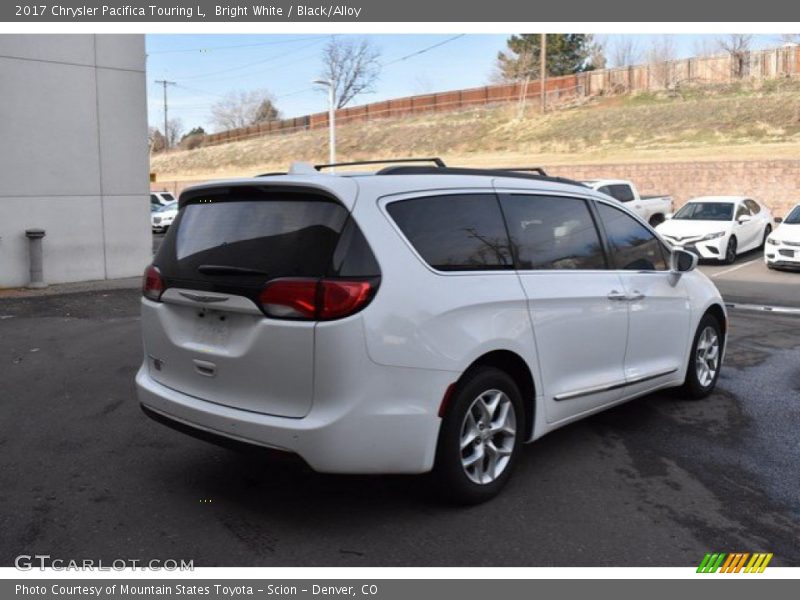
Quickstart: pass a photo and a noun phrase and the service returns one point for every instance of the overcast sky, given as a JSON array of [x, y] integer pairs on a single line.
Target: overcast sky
[[206, 67]]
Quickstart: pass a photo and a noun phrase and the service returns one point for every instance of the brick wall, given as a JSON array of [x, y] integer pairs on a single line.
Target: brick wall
[[776, 183]]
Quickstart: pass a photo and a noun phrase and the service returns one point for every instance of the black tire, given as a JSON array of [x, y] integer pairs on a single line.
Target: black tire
[[767, 231], [450, 476], [656, 220], [730, 251], [693, 387]]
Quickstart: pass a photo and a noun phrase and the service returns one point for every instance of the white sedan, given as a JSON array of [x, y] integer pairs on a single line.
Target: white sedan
[[718, 227], [783, 246], [162, 218]]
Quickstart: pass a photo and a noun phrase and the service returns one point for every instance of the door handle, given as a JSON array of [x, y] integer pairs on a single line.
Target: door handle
[[618, 296], [635, 296]]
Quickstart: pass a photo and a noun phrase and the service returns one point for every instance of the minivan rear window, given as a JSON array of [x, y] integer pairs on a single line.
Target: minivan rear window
[[463, 232], [245, 237]]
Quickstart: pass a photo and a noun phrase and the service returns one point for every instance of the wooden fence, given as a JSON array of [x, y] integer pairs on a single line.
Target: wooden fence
[[761, 65]]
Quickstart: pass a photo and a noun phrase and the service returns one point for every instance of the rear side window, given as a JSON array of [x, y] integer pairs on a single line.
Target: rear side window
[[633, 246], [550, 232], [619, 191], [244, 237], [463, 232]]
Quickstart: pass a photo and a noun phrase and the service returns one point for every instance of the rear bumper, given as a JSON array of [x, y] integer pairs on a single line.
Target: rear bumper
[[383, 430]]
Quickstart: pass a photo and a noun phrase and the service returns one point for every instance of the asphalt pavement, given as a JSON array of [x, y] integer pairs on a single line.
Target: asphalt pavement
[[658, 481]]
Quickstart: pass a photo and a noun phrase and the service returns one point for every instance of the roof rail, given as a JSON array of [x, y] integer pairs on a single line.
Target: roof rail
[[520, 173], [273, 174], [434, 159]]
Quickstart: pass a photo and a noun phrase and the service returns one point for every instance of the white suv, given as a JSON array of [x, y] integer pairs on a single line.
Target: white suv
[[415, 319]]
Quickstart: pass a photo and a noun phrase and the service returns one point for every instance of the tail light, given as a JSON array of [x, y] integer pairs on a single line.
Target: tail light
[[152, 284], [315, 299]]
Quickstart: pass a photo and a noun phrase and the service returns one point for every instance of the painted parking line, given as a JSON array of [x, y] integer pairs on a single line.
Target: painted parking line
[[764, 308], [723, 272]]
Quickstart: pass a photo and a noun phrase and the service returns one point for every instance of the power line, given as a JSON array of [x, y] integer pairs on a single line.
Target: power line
[[424, 50], [232, 47], [253, 63]]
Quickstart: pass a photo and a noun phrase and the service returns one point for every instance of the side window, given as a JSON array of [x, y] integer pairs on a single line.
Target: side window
[[551, 232], [353, 257], [742, 210], [633, 246], [622, 192], [606, 189], [463, 232], [154, 199], [753, 206]]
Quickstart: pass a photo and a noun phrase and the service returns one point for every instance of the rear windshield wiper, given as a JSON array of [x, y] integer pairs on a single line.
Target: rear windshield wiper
[[228, 270]]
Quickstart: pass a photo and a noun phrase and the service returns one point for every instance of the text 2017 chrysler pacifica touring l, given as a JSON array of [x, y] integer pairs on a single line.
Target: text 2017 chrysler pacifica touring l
[[419, 318]]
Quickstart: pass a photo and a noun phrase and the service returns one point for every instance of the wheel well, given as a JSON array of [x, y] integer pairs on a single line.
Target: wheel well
[[516, 367], [719, 314]]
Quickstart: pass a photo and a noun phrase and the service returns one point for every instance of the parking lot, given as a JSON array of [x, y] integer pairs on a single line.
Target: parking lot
[[659, 481]]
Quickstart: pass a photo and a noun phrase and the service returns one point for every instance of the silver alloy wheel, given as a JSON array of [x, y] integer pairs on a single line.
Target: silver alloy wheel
[[487, 436], [707, 356]]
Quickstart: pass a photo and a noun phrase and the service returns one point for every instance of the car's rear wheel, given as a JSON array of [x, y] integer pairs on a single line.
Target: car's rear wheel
[[480, 437], [656, 220], [730, 251], [705, 360]]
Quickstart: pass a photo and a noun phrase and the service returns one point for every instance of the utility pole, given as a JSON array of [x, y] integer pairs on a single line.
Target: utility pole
[[165, 83], [543, 71]]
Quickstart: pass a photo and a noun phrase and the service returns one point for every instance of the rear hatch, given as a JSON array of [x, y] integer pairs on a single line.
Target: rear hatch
[[208, 336]]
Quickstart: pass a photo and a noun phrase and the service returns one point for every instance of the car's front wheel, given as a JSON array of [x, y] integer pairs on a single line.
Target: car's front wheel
[[480, 437], [705, 360], [767, 231], [730, 251]]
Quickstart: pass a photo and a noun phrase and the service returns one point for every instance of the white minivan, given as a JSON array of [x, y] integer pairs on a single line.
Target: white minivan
[[418, 318]]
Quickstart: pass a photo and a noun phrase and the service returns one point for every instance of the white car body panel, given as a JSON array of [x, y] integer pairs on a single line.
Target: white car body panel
[[362, 394], [783, 247], [688, 233], [650, 208]]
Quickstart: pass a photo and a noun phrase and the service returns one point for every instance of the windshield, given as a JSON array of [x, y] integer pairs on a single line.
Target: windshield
[[794, 216], [166, 207], [706, 211]]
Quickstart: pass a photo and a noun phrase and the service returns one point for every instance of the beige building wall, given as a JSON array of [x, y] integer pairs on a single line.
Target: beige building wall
[[73, 156]]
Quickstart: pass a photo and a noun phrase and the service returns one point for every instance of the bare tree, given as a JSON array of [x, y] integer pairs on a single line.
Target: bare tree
[[352, 66], [625, 51], [244, 108], [737, 45], [175, 130], [598, 52], [155, 140], [704, 46], [661, 56]]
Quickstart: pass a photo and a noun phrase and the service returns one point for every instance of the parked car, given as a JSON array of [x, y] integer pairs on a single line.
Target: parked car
[[718, 227], [159, 199], [653, 209], [783, 246], [162, 218], [435, 324]]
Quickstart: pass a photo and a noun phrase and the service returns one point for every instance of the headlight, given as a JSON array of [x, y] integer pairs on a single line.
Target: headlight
[[712, 236], [772, 241]]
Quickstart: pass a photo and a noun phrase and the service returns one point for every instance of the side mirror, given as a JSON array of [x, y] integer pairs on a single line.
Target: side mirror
[[668, 216], [682, 261], [779, 219], [744, 219]]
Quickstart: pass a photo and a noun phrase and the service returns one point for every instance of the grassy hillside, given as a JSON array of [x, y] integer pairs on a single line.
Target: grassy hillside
[[698, 123]]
